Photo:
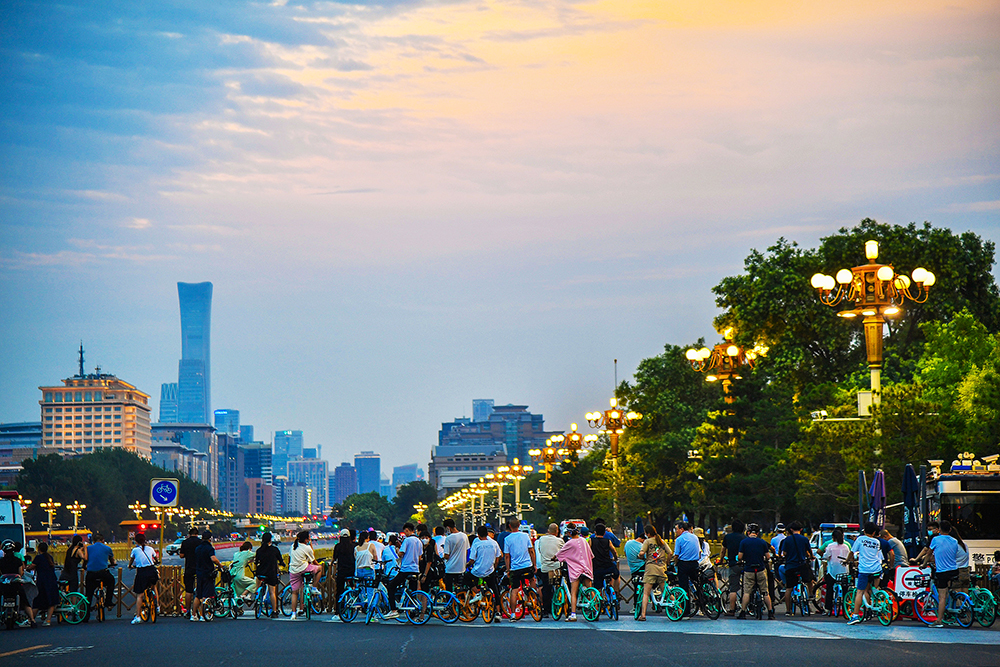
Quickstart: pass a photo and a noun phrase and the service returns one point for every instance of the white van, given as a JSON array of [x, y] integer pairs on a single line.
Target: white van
[[12, 521]]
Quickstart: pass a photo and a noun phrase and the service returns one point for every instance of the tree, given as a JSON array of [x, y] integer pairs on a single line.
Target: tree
[[367, 510], [408, 495]]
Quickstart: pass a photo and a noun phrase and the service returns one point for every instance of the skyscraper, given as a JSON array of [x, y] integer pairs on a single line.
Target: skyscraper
[[404, 475], [246, 433], [345, 482], [369, 467], [194, 386], [287, 446], [227, 422], [168, 403], [314, 473], [482, 408]]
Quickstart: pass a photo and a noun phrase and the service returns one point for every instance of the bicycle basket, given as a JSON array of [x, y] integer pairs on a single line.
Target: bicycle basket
[[227, 577]]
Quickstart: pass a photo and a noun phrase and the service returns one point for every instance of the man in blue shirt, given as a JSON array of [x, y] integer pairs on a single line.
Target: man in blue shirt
[[687, 553], [519, 556], [944, 549], [752, 553], [99, 559], [798, 554], [409, 565]]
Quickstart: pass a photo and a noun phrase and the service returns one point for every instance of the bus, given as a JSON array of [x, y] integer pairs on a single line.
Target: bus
[[968, 496], [12, 521]]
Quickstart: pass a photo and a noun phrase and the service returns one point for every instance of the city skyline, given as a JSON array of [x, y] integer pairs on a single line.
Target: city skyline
[[403, 207]]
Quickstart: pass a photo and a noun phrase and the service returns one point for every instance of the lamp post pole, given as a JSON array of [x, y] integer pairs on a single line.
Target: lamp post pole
[[614, 421], [76, 509], [519, 472], [50, 509]]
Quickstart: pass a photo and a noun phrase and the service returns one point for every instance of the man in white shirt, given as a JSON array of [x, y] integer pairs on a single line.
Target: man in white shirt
[[547, 546], [456, 547], [519, 556], [485, 555], [867, 551], [409, 565], [376, 543], [439, 541]]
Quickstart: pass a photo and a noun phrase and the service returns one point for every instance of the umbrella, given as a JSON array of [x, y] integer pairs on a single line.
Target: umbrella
[[911, 496], [862, 494], [877, 494]]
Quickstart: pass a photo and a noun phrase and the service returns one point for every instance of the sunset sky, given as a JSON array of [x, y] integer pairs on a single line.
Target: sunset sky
[[407, 205]]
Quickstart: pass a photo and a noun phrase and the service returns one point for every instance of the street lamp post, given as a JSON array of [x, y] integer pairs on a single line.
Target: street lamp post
[[50, 510], [420, 508], [517, 473], [873, 291], [499, 480], [76, 509], [724, 362], [548, 456], [137, 507], [613, 421]]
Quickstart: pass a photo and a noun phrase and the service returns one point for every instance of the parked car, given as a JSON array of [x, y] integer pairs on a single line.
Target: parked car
[[174, 547]]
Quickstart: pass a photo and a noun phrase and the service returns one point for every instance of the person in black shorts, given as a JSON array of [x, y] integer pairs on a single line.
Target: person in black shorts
[[605, 558], [798, 563], [205, 563], [267, 564], [187, 553], [730, 554]]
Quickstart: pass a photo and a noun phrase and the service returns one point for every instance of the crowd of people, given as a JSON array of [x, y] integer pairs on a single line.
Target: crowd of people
[[447, 555]]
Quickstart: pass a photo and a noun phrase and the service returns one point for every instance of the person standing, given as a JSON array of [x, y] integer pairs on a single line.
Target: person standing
[[632, 548], [836, 555], [456, 548], [752, 554], [579, 558], [186, 552], [205, 563], [656, 553], [238, 569], [301, 559], [484, 555], [365, 557], [76, 554], [798, 557], [439, 538], [143, 558], [944, 548], [867, 551], [344, 557], [605, 557], [899, 557], [546, 548], [779, 536], [11, 564], [687, 553], [267, 565], [44, 567], [962, 562], [519, 556], [100, 559], [409, 566], [730, 555]]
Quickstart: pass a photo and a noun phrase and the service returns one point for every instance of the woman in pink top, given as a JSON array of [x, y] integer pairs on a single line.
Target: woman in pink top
[[579, 558]]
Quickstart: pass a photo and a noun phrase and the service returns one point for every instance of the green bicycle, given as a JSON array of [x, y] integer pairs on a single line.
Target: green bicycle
[[984, 605], [588, 600]]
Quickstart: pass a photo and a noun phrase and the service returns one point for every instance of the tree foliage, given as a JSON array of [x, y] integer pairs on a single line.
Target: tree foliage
[[363, 511]]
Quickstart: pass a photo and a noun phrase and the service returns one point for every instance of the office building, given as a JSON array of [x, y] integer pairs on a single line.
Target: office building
[[94, 411], [168, 403], [246, 433], [19, 441], [298, 500], [452, 472], [312, 452], [228, 421], [314, 473], [369, 467], [177, 458], [404, 475], [482, 408], [194, 371], [385, 488], [345, 482], [256, 497], [198, 437], [279, 493], [231, 470], [257, 461], [287, 446]]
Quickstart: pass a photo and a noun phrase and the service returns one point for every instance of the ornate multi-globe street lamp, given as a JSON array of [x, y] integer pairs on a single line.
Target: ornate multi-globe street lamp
[[573, 441], [76, 509], [50, 510], [873, 291], [517, 472], [613, 422], [549, 456], [724, 362]]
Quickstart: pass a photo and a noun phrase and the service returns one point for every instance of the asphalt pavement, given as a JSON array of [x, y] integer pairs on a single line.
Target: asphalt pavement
[[247, 642]]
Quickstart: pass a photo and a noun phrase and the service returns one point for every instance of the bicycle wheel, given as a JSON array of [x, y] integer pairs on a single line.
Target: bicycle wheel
[[222, 602], [285, 601], [419, 609], [819, 598], [849, 601], [925, 606], [446, 605], [757, 604], [590, 601], [675, 602], [984, 606], [711, 603], [488, 608], [558, 603], [209, 608], [100, 601], [378, 606], [637, 605], [348, 605], [882, 604], [258, 606], [467, 611], [963, 609], [533, 604], [75, 608]]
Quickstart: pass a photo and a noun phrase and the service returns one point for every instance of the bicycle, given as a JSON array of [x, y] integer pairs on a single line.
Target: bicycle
[[11, 613], [262, 602], [841, 584], [984, 605], [149, 605], [72, 606], [610, 602], [958, 609], [588, 599], [309, 592], [415, 605], [100, 600], [527, 601], [227, 602], [477, 600], [672, 601], [755, 605], [444, 603], [706, 594]]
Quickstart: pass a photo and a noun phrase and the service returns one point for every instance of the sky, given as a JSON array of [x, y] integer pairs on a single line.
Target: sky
[[404, 206]]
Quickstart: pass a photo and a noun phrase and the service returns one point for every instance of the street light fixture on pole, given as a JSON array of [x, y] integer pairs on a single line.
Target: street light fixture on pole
[[874, 291], [76, 509], [614, 421], [725, 361], [50, 510], [137, 507], [517, 473], [420, 508]]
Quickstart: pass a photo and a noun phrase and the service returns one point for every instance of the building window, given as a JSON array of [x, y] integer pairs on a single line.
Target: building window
[[87, 409], [59, 397], [79, 396], [58, 409], [117, 433], [48, 397], [79, 410], [118, 408], [86, 397], [117, 440]]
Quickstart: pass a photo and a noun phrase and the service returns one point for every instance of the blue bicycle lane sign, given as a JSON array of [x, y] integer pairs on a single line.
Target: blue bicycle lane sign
[[164, 492]]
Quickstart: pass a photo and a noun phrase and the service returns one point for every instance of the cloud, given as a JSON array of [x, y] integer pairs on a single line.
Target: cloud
[[137, 223], [973, 207]]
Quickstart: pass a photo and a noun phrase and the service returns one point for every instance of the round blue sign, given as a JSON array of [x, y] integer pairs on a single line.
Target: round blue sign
[[164, 492]]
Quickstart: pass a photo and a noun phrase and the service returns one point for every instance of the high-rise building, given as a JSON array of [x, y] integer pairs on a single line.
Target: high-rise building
[[231, 470], [385, 488], [19, 441], [178, 458], [298, 500], [404, 475], [369, 467], [287, 446], [257, 461], [279, 493], [198, 437], [228, 421], [345, 482], [482, 408], [314, 473], [168, 403], [246, 433], [256, 497], [94, 411], [194, 371]]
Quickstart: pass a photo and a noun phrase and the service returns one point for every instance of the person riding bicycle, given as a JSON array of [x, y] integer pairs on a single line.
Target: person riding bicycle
[[302, 560], [10, 564], [143, 558], [899, 557], [867, 551], [835, 555], [456, 550], [687, 553], [546, 548], [484, 555], [186, 552], [605, 558], [798, 556], [752, 555], [519, 556], [409, 566], [579, 558], [100, 559], [943, 549], [656, 553], [431, 565], [730, 555], [267, 563], [205, 564], [243, 585]]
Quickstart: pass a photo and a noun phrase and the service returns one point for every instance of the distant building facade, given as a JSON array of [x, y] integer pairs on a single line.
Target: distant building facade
[[257, 461], [194, 371], [385, 488], [369, 467], [314, 473], [246, 433], [482, 408], [298, 499], [19, 441], [168, 403], [177, 458], [228, 421], [345, 482], [94, 411], [198, 437], [231, 471], [287, 446], [257, 497], [404, 475]]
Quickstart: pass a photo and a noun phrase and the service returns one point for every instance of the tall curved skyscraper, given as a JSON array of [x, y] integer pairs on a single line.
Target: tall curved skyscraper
[[194, 387]]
